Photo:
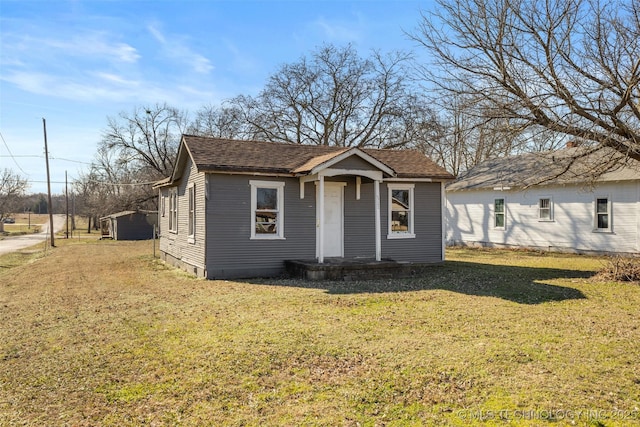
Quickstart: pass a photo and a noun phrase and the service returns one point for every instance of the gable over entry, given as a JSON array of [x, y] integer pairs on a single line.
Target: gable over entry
[[350, 162]]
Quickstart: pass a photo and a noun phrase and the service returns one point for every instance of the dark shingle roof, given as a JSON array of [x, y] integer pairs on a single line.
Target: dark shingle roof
[[568, 166], [226, 155]]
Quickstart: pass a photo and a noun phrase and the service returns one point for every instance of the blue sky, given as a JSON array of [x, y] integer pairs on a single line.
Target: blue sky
[[76, 62]]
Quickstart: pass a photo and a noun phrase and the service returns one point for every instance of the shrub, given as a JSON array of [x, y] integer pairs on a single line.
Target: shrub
[[622, 269]]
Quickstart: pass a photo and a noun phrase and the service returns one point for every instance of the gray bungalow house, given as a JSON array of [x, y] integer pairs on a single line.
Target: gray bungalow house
[[238, 209]]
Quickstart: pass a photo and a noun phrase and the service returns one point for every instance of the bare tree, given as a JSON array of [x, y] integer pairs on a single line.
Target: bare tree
[[12, 188], [114, 184], [149, 137], [570, 68], [336, 97], [136, 149], [219, 122]]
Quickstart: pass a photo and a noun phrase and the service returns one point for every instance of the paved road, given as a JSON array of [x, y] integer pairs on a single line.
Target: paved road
[[12, 244]]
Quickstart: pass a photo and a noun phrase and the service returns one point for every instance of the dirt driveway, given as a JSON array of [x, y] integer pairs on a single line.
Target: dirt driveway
[[12, 244]]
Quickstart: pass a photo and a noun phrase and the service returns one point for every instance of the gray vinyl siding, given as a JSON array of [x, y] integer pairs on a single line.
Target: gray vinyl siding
[[223, 248], [231, 251], [359, 221], [354, 163], [136, 226], [427, 245], [163, 217], [359, 224], [188, 255]]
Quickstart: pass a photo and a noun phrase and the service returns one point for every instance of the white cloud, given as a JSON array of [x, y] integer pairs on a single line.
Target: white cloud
[[240, 61], [339, 31], [175, 48], [156, 33], [98, 66], [116, 79], [90, 44]]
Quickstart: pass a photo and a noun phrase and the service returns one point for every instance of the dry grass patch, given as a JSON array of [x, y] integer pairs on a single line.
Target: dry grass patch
[[25, 224], [99, 333]]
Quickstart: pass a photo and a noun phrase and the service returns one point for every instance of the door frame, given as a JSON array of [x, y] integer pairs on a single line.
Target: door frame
[[319, 229]]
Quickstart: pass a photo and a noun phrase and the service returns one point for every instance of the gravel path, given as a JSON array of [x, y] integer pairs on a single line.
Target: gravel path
[[12, 244]]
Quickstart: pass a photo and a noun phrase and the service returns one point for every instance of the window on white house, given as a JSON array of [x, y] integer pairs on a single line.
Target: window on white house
[[267, 210], [173, 210], [603, 214], [499, 213], [192, 213], [544, 209], [162, 204], [401, 211]]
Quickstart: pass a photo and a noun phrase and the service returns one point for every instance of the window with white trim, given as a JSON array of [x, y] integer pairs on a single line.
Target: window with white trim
[[162, 204], [545, 209], [173, 210], [192, 212], [267, 209], [499, 209], [400, 211], [602, 214]]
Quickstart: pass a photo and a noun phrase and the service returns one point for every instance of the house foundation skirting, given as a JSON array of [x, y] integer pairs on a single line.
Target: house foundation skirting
[[558, 249], [354, 269], [183, 265]]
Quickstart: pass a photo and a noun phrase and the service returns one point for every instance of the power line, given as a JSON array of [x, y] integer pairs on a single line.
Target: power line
[[130, 184], [11, 154], [72, 161], [50, 158]]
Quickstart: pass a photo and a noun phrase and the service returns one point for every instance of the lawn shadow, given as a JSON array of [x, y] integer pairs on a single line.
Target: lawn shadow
[[524, 285]]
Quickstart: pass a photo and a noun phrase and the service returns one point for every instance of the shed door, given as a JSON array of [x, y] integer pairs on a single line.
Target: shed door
[[333, 219]]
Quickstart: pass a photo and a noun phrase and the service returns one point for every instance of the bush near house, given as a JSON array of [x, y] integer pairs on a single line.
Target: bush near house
[[623, 269]]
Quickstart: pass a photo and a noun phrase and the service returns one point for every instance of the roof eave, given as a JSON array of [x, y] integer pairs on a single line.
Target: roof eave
[[348, 153]]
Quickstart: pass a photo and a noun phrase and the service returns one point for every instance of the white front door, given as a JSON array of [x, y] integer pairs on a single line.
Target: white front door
[[333, 219]]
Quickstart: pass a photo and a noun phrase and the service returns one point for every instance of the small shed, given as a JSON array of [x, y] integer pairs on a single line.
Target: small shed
[[129, 225]]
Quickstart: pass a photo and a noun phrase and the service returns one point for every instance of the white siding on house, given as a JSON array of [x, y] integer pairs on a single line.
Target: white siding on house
[[469, 218]]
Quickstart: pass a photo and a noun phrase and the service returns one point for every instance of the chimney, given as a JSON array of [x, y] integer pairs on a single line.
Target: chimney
[[572, 144]]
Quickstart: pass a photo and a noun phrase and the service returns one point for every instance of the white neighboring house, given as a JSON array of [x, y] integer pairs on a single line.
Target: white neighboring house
[[520, 201]]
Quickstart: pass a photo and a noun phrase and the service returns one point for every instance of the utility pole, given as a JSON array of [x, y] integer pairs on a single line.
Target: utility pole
[[46, 156], [73, 212], [66, 196]]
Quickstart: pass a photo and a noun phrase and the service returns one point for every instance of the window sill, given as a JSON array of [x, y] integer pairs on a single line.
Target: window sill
[[602, 231], [546, 220], [401, 236], [267, 238], [191, 240]]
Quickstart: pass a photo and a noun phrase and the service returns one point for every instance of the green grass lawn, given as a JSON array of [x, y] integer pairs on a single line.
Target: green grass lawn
[[99, 333], [24, 224]]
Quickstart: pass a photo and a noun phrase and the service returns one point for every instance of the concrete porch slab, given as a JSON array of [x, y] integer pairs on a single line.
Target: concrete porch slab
[[353, 269]]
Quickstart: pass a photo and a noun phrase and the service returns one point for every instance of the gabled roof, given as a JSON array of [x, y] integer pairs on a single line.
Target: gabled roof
[[318, 163], [237, 156], [126, 213], [573, 165]]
